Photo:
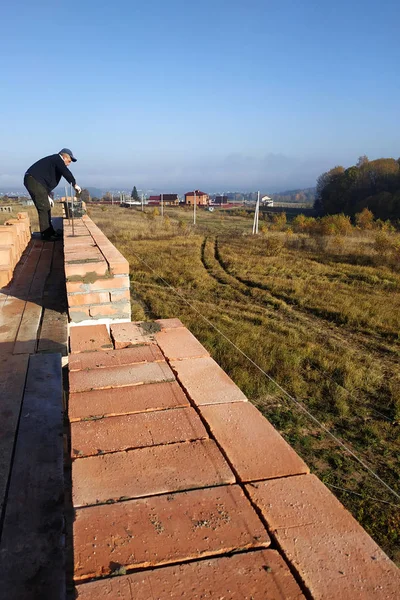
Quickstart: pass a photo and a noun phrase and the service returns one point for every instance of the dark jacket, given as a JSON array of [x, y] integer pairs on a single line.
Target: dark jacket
[[49, 170]]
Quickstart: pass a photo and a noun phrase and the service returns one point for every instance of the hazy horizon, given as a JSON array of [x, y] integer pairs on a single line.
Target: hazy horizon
[[199, 95]]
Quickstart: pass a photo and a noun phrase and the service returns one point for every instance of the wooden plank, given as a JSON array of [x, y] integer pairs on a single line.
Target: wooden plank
[[10, 318], [31, 549], [13, 371], [54, 332], [27, 335], [42, 272]]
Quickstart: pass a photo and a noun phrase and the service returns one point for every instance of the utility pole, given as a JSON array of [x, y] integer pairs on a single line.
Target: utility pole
[[162, 205], [112, 199], [255, 223], [194, 208], [142, 201]]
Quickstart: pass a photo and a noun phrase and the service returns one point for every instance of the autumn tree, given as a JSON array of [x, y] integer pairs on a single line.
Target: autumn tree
[[369, 184]]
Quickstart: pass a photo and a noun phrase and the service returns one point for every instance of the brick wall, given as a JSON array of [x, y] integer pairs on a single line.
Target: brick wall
[[97, 274], [172, 464], [14, 237]]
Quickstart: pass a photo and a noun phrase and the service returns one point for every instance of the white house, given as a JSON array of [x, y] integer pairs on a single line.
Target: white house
[[267, 201]]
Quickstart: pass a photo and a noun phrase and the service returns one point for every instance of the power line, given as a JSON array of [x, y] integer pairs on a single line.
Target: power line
[[296, 402], [336, 487]]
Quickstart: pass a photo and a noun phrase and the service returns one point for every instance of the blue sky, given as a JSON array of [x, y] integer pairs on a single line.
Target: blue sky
[[215, 95]]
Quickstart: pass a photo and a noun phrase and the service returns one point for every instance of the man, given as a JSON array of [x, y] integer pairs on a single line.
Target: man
[[40, 179]]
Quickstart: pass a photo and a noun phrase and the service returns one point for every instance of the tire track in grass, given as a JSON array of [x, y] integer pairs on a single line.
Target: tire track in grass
[[318, 320]]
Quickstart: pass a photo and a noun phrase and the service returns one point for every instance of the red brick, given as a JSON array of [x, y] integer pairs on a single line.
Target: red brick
[[89, 337], [113, 434], [119, 296], [118, 267], [154, 531], [127, 400], [169, 323], [82, 254], [148, 471], [205, 382], [115, 358], [253, 446], [110, 310], [333, 554], [260, 575], [86, 269], [127, 334], [114, 377], [111, 283], [93, 298], [179, 343]]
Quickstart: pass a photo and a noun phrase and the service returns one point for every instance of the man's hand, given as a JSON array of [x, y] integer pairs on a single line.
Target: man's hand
[[51, 201], [78, 189]]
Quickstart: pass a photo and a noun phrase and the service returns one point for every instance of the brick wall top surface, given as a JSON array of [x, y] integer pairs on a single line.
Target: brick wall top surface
[[85, 242], [172, 464], [97, 274]]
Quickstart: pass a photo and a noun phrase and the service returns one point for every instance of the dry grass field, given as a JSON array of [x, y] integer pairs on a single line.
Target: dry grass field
[[319, 315]]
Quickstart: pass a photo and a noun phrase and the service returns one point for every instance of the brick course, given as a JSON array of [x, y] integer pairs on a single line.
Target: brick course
[[260, 575], [158, 530], [126, 400], [113, 434], [148, 471]]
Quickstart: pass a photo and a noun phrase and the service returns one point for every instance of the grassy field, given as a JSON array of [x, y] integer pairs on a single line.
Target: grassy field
[[321, 317]]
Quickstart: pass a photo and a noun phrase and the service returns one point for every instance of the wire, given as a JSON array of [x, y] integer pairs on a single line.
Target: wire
[[296, 402], [336, 487]]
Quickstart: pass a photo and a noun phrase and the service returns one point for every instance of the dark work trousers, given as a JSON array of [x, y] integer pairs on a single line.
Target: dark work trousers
[[40, 198]]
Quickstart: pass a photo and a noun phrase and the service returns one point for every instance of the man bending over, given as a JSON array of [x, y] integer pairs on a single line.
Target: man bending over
[[40, 179]]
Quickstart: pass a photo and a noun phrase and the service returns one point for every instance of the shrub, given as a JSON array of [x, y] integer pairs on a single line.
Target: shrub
[[300, 224], [278, 221], [273, 246], [383, 243], [335, 225], [365, 219]]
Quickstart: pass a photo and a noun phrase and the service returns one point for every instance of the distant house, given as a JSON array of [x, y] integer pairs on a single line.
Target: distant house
[[202, 199], [171, 199], [168, 200], [221, 199], [267, 201]]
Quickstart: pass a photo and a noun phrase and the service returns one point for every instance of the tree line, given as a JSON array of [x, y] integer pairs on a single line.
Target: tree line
[[374, 185]]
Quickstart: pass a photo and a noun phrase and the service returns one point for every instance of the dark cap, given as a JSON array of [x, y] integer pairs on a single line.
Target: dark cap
[[68, 151]]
